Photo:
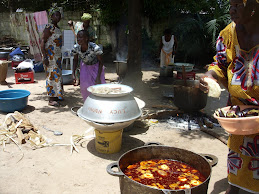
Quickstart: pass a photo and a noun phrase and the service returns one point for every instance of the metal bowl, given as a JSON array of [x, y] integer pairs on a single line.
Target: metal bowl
[[109, 126], [67, 76], [109, 110], [188, 67], [121, 68]]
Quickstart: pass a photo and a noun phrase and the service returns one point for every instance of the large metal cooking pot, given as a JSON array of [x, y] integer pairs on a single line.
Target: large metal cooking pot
[[197, 161], [189, 97], [121, 68], [110, 110]]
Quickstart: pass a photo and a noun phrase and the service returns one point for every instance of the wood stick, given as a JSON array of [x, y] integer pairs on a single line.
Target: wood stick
[[21, 138], [212, 133]]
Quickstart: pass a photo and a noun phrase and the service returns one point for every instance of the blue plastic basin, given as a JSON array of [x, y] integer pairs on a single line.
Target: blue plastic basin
[[13, 100]]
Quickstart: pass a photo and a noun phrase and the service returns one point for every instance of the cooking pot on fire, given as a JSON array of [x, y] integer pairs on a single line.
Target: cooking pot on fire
[[189, 97], [197, 161], [109, 113], [121, 68]]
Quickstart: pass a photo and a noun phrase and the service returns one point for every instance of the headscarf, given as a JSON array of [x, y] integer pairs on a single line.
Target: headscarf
[[86, 16], [55, 8]]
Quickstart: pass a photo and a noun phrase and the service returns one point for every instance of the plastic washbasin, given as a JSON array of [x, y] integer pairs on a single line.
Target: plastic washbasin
[[13, 100]]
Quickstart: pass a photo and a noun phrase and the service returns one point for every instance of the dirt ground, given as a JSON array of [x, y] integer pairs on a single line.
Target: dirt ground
[[55, 170]]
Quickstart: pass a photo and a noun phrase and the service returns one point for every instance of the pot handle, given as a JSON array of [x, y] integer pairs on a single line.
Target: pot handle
[[112, 172], [212, 160], [152, 143], [187, 191], [74, 112]]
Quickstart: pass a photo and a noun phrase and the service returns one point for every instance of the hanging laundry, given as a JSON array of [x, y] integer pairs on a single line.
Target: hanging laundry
[[34, 37], [41, 18]]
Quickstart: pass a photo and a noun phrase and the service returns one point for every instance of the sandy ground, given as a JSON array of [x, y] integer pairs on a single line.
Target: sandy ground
[[55, 170]]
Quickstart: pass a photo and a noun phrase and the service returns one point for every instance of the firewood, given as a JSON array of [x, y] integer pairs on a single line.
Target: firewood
[[21, 138]]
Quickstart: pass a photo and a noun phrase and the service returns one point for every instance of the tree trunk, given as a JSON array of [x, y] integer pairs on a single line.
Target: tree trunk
[[134, 74]]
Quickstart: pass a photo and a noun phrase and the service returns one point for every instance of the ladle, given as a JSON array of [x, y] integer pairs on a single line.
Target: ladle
[[55, 132]]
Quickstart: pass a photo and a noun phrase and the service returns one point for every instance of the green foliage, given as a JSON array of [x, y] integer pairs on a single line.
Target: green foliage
[[192, 39], [220, 19], [112, 10]]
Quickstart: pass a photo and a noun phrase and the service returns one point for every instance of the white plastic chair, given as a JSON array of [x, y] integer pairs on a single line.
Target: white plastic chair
[[67, 56], [68, 43]]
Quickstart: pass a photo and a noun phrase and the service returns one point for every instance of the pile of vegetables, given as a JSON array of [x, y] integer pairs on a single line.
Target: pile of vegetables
[[235, 112]]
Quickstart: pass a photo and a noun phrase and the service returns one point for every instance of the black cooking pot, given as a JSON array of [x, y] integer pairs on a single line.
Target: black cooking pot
[[189, 97], [197, 161], [4, 55]]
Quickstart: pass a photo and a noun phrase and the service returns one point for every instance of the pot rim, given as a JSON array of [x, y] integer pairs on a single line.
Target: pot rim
[[165, 190], [107, 122]]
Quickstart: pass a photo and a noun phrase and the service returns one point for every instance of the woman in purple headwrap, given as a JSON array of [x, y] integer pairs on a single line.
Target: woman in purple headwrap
[[91, 65]]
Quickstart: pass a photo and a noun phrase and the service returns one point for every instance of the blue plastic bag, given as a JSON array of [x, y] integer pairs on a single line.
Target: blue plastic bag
[[17, 51], [38, 67]]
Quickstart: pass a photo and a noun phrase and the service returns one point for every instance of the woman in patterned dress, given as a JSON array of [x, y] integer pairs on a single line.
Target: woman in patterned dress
[[51, 50], [91, 65], [237, 68]]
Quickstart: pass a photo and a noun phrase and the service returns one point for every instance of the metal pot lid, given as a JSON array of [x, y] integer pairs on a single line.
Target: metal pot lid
[[110, 110]]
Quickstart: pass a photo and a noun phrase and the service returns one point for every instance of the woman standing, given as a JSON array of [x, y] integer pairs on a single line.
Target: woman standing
[[84, 25], [91, 65], [167, 47], [237, 68], [51, 49], [76, 27]]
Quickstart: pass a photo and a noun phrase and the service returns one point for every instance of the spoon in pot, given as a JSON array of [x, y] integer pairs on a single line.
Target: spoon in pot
[[55, 132]]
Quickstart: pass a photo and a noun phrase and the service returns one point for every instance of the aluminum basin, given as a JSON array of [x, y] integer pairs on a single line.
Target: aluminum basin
[[109, 110], [109, 126]]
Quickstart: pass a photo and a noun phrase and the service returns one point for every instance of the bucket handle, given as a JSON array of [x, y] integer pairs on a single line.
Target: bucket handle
[[211, 159], [112, 172]]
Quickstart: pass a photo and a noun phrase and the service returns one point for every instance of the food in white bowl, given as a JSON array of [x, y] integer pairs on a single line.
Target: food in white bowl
[[106, 90], [110, 90]]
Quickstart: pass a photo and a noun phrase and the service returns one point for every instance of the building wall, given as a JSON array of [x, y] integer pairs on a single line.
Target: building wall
[[13, 25]]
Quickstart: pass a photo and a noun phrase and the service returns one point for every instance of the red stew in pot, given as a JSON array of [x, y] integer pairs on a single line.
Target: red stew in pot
[[164, 174]]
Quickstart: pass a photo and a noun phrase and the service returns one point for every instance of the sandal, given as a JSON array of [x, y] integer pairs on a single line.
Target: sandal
[[54, 103]]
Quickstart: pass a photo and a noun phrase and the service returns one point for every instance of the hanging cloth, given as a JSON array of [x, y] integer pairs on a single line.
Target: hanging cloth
[[41, 19], [34, 37]]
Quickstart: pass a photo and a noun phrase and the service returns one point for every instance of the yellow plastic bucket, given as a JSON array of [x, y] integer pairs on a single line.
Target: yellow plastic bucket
[[108, 142]]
